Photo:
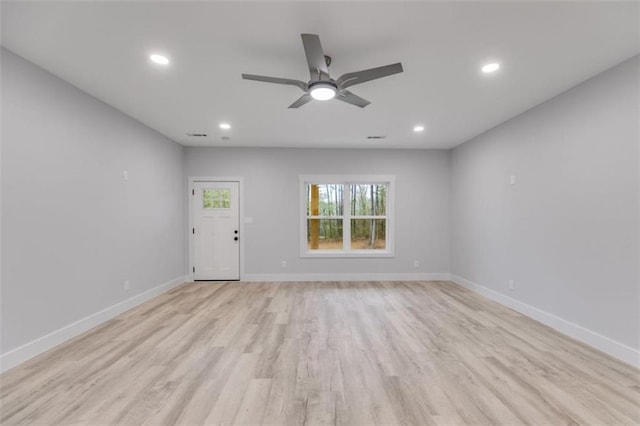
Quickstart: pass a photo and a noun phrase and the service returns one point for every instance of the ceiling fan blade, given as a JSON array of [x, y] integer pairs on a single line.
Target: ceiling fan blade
[[306, 98], [352, 78], [315, 57], [302, 85], [350, 98]]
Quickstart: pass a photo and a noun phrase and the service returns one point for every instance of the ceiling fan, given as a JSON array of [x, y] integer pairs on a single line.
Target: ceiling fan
[[321, 86]]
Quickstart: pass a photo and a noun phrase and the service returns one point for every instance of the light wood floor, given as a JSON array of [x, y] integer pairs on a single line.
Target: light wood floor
[[321, 353]]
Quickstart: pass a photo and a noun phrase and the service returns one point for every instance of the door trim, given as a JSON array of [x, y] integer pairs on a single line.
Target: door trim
[[190, 223]]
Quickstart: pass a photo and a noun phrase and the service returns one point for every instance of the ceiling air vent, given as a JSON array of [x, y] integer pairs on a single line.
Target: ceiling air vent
[[375, 137], [197, 135]]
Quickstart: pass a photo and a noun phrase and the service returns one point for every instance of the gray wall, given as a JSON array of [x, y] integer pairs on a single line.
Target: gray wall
[[567, 231], [271, 194], [72, 229]]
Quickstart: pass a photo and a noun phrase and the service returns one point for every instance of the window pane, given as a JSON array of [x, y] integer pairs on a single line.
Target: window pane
[[368, 234], [207, 199], [324, 234], [368, 200], [324, 199], [216, 198]]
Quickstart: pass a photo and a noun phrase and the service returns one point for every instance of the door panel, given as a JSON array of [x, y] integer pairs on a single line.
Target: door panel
[[216, 232]]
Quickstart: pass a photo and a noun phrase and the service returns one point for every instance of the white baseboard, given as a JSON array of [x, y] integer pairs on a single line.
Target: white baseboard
[[349, 277], [42, 344], [611, 347]]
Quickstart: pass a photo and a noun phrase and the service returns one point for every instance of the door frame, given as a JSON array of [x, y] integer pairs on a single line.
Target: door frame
[[190, 226]]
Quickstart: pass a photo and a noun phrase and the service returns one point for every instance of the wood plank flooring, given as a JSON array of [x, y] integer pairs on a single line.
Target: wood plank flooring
[[348, 353]]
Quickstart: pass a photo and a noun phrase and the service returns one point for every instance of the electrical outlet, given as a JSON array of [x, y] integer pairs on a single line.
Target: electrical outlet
[[125, 175], [283, 264], [510, 284], [512, 179], [416, 263], [127, 285]]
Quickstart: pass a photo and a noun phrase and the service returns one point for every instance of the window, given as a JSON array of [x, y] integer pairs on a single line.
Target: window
[[346, 216], [216, 198]]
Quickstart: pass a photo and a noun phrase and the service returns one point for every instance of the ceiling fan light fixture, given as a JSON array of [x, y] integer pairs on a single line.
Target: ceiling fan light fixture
[[323, 91]]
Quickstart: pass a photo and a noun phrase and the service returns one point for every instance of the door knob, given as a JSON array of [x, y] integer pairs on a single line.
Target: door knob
[[235, 232], [235, 238]]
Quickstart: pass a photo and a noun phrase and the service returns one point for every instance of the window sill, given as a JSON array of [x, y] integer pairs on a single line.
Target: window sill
[[346, 254]]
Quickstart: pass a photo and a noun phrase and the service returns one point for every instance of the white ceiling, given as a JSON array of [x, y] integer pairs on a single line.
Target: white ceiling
[[103, 48]]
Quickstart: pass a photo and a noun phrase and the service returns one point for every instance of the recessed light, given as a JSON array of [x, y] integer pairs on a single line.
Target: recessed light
[[159, 59], [418, 129], [491, 67], [225, 126]]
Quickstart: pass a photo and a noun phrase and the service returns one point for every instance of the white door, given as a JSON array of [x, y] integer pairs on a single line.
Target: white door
[[216, 232]]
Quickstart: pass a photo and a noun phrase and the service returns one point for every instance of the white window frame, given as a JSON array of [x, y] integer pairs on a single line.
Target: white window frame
[[347, 180]]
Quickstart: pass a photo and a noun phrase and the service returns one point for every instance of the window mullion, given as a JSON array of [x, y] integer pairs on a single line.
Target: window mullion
[[346, 215]]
